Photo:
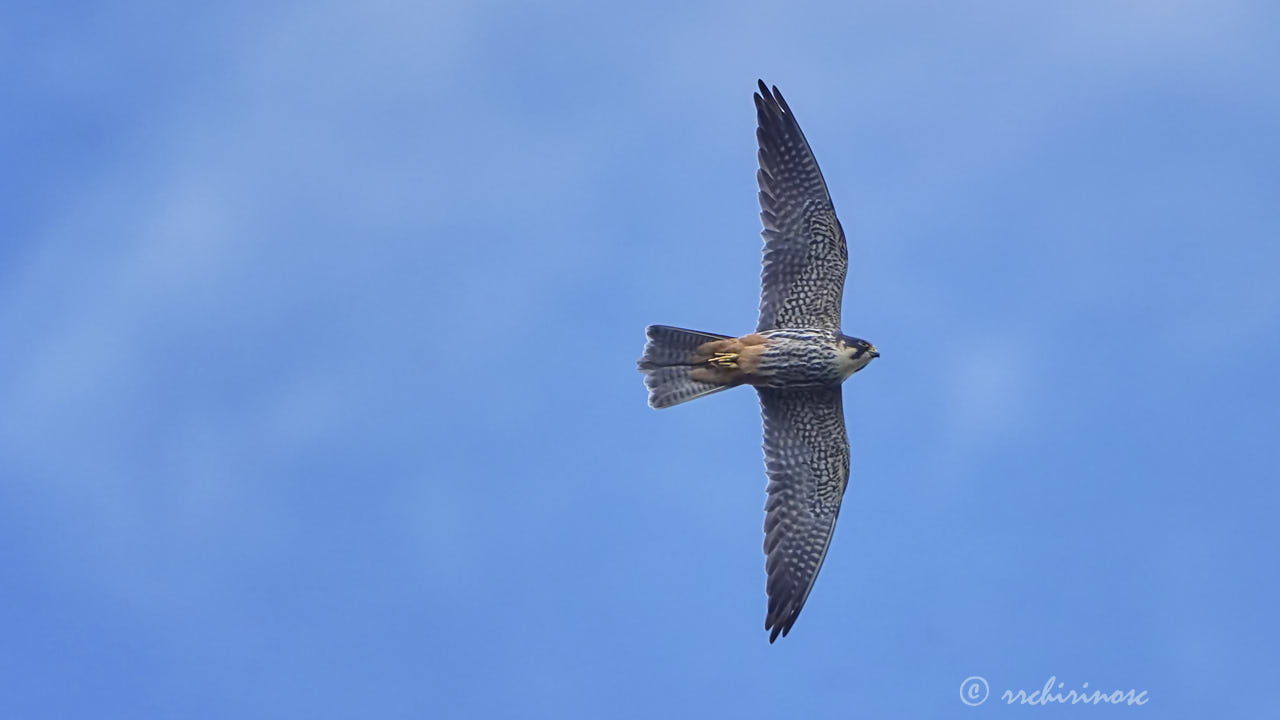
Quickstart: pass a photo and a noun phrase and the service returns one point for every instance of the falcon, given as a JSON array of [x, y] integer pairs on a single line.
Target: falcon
[[797, 359]]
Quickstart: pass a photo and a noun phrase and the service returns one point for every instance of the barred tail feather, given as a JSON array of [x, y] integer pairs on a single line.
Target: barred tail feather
[[672, 385], [668, 363]]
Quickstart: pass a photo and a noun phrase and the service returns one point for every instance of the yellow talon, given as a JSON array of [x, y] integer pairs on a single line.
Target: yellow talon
[[724, 360]]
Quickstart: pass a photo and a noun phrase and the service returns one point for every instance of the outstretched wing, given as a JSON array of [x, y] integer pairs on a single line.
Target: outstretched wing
[[805, 257], [806, 454]]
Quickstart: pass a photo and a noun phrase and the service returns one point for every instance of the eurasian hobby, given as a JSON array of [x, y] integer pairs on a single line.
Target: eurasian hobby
[[797, 359]]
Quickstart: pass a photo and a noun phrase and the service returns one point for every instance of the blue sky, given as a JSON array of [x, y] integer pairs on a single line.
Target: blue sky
[[319, 325]]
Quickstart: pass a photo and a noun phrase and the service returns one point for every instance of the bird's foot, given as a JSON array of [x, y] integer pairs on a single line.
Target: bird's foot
[[727, 360]]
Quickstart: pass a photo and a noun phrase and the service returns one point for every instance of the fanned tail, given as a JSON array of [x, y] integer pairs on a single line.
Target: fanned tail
[[669, 359]]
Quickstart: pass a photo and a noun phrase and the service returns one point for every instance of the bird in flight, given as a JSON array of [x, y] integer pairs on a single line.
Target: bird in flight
[[797, 359]]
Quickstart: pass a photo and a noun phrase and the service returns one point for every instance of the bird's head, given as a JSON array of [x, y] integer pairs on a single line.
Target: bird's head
[[856, 353]]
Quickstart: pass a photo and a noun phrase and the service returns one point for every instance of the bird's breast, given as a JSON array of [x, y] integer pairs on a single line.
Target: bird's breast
[[797, 359]]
